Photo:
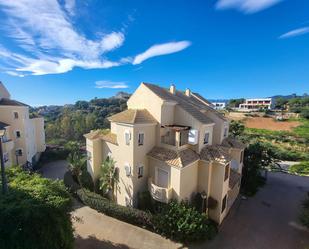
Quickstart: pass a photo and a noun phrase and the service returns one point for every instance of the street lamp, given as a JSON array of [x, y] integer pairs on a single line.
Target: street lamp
[[3, 178]]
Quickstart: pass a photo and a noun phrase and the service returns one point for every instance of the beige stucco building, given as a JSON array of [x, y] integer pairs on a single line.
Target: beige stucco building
[[175, 145], [24, 138]]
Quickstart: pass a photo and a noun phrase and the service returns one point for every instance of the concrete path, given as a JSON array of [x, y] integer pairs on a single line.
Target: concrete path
[[97, 231], [54, 170]]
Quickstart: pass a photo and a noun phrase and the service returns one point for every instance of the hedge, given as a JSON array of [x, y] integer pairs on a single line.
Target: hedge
[[35, 213], [127, 214], [177, 221]]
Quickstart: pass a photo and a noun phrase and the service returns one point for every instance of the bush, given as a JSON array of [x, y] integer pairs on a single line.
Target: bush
[[103, 205], [304, 216], [35, 213], [145, 201], [86, 180], [181, 222], [70, 182], [300, 168]]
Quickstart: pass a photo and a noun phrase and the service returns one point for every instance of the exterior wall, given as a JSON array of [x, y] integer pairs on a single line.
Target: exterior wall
[[238, 157], [94, 154], [140, 156], [32, 139], [188, 181], [202, 131], [143, 98]]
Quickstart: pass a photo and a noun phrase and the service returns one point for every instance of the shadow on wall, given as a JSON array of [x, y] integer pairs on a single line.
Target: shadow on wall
[[92, 242]]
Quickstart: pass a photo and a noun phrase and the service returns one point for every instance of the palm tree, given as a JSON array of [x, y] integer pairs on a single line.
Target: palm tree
[[109, 177], [77, 163]]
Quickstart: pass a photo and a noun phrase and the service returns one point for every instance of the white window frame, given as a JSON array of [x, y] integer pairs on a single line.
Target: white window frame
[[140, 167], [14, 115], [156, 176], [129, 172], [127, 132], [138, 141], [16, 134], [206, 133]]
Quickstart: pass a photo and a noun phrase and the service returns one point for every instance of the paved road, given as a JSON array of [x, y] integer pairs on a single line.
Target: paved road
[[55, 170], [267, 220]]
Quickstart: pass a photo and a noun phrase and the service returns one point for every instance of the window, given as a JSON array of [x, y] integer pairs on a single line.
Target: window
[[6, 157], [19, 152], [127, 136], [140, 171], [226, 173], [225, 132], [141, 139], [18, 134], [127, 168], [241, 156], [206, 138], [16, 115], [223, 204]]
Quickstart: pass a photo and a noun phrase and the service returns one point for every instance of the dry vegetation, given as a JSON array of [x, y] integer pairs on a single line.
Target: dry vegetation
[[270, 124]]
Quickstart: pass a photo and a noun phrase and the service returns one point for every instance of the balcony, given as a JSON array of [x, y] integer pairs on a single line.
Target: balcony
[[174, 136], [7, 145], [159, 193]]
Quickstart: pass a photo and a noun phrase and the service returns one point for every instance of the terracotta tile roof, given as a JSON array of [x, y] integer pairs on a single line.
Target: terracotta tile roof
[[133, 116], [110, 137], [102, 134], [3, 125], [175, 158], [93, 134], [234, 178], [230, 142], [197, 108], [10, 102], [215, 153]]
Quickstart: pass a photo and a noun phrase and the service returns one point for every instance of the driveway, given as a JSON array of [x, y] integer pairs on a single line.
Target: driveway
[[54, 170]]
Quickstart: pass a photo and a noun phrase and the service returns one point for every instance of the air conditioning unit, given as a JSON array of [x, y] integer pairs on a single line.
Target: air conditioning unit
[[193, 137]]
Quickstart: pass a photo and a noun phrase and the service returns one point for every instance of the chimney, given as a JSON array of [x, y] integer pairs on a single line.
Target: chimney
[[172, 89], [188, 92]]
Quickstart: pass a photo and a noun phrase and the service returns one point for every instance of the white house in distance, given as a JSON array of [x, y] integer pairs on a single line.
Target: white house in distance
[[24, 138], [255, 104], [218, 105]]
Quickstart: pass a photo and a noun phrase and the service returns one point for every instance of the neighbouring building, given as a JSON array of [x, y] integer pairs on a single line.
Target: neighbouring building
[[24, 138], [256, 104], [218, 105], [173, 144]]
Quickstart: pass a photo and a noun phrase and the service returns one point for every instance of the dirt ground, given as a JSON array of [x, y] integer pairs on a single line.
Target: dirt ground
[[270, 124]]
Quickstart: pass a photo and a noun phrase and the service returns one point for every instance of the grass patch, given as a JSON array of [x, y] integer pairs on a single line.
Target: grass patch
[[300, 168], [303, 129]]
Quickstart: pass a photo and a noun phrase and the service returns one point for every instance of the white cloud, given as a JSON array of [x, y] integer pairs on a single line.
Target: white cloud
[[12, 73], [43, 28], [161, 49], [69, 5], [246, 6], [295, 32], [110, 84]]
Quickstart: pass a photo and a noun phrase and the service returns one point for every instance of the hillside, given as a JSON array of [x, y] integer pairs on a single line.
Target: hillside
[[70, 122]]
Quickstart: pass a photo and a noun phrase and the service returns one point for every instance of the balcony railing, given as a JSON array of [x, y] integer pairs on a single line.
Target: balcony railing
[[159, 193]]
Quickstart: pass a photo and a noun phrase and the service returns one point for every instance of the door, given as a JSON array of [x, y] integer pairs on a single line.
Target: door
[[162, 178]]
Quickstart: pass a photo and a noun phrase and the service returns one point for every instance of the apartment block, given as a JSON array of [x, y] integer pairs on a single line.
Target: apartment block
[[174, 145], [24, 138], [256, 104]]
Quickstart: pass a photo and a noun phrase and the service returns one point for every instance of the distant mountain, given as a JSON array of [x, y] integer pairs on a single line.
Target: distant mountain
[[122, 95], [291, 96]]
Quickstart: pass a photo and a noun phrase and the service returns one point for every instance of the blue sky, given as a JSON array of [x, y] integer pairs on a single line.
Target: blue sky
[[57, 52]]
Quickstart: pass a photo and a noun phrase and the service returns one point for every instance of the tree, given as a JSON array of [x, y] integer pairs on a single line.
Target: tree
[[280, 103], [258, 156], [237, 128], [235, 102], [76, 160], [109, 177]]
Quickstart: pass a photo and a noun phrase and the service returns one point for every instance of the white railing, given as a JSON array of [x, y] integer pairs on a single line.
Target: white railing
[[159, 193]]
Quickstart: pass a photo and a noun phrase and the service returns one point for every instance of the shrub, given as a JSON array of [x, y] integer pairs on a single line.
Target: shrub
[[145, 201], [300, 168], [70, 182], [35, 213], [304, 216], [86, 180], [181, 222], [103, 205]]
